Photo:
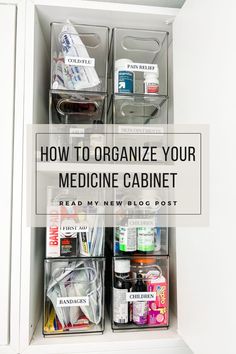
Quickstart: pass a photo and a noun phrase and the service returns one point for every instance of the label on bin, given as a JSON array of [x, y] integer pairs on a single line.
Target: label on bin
[[72, 301], [143, 67], [141, 222], [140, 296], [77, 132], [79, 61]]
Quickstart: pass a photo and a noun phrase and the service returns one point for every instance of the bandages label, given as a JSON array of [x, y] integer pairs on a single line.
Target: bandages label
[[72, 301], [78, 61], [146, 68], [140, 296]]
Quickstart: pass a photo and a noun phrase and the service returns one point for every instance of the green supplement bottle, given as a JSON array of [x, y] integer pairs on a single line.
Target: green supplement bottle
[[145, 239]]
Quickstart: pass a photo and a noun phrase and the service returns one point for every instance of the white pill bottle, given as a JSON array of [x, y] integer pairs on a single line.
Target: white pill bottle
[[151, 82], [124, 77]]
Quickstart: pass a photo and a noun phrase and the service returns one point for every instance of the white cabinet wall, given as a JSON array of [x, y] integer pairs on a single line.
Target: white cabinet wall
[[7, 75], [201, 48], [12, 21]]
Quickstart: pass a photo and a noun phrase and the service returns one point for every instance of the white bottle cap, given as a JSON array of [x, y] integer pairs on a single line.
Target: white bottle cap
[[122, 266], [154, 75], [121, 63]]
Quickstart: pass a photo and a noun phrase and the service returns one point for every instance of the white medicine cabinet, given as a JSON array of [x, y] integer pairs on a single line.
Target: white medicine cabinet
[[24, 319]]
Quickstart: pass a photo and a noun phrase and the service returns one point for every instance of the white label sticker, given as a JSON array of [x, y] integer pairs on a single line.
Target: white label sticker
[[140, 296], [72, 301], [130, 129], [141, 222], [146, 68], [74, 228], [78, 61], [77, 132]]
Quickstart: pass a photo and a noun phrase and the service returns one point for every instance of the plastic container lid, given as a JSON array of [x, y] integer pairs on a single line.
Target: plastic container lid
[[144, 260], [122, 266], [121, 63]]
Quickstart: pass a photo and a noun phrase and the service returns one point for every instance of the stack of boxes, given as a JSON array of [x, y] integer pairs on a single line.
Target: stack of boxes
[[75, 263], [140, 262]]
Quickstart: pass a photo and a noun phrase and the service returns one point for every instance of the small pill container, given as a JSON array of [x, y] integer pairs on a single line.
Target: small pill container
[[151, 83]]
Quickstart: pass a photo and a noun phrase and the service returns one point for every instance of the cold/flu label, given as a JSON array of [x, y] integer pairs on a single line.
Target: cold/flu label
[[78, 61]]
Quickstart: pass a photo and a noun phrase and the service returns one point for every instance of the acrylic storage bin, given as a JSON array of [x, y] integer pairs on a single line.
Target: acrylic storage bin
[[79, 57], [68, 107], [139, 235], [138, 109], [74, 296], [140, 293], [73, 231], [140, 61]]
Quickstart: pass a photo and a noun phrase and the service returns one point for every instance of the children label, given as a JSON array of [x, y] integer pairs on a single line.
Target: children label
[[143, 67], [72, 301], [141, 222], [78, 61], [140, 296]]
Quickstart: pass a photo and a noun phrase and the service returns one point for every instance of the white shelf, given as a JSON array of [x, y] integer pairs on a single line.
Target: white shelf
[[140, 341]]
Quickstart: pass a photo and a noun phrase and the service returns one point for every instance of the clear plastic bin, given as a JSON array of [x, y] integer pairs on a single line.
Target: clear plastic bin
[[68, 107], [79, 57], [139, 109], [140, 293], [74, 296], [140, 61], [139, 235], [71, 232]]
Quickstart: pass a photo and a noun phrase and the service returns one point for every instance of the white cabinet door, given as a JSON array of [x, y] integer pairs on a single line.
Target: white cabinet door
[[204, 92], [7, 70]]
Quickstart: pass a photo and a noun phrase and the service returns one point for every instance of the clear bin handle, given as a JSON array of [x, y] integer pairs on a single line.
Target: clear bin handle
[[65, 269], [60, 107]]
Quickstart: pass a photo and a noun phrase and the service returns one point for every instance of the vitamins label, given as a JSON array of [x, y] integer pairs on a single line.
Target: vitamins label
[[72, 301], [127, 239], [140, 296], [141, 222], [146, 68], [120, 306], [78, 61]]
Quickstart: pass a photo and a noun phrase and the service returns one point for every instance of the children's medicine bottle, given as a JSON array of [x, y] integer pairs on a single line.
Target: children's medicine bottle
[[151, 83]]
